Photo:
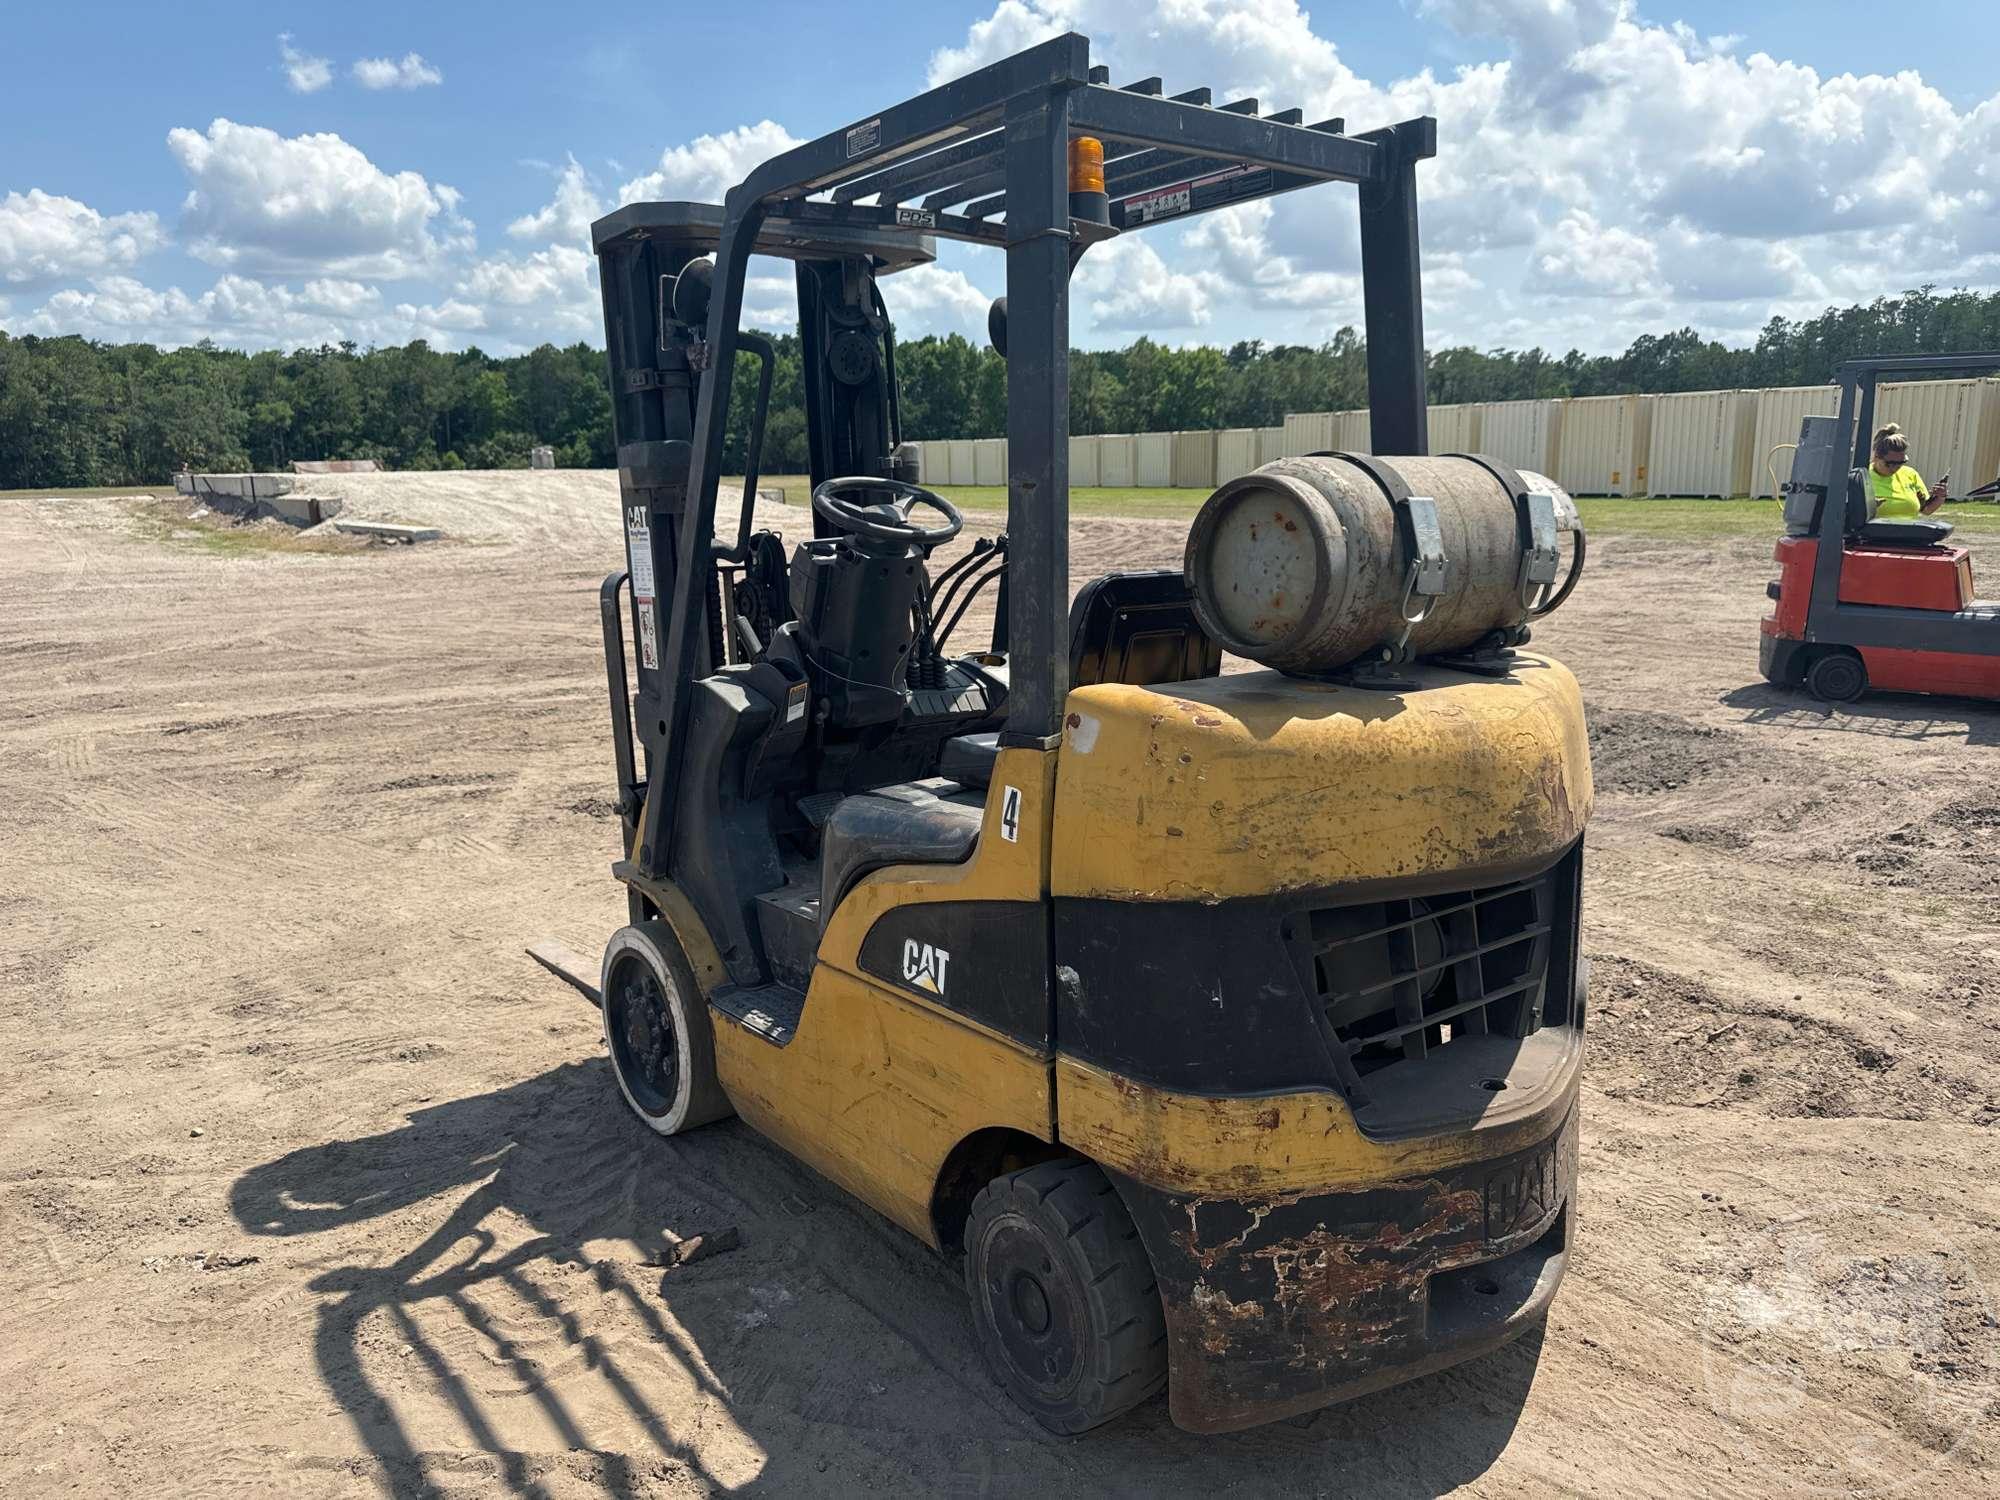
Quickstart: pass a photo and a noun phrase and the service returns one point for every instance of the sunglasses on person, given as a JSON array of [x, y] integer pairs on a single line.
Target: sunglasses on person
[[1894, 463]]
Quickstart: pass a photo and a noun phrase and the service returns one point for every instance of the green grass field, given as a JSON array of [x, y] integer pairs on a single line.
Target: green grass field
[[155, 490], [1688, 520], [1685, 520]]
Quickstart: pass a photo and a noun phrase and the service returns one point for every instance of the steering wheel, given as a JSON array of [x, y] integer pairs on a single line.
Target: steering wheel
[[886, 520]]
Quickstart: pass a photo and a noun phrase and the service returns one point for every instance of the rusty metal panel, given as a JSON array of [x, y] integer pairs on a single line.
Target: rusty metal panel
[[1117, 456], [1083, 461], [1701, 443], [1953, 426], [1193, 460], [1153, 459], [1525, 434], [1781, 409], [1605, 444]]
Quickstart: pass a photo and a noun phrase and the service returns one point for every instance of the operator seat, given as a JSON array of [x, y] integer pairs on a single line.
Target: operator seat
[[1921, 532], [931, 822], [1141, 629]]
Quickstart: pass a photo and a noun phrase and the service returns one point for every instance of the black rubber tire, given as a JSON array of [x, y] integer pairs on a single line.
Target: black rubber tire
[[1837, 677], [680, 1091], [1052, 1244]]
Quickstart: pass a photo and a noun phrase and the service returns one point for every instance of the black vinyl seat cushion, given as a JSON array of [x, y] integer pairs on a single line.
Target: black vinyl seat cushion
[[1922, 532], [968, 759], [912, 823]]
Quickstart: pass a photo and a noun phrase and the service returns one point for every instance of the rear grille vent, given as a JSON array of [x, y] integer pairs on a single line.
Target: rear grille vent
[[1403, 976]]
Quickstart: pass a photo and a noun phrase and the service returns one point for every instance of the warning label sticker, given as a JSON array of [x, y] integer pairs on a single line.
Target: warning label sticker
[[649, 636], [639, 550], [1161, 205]]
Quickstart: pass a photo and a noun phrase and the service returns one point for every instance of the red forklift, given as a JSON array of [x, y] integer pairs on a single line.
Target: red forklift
[[1863, 603]]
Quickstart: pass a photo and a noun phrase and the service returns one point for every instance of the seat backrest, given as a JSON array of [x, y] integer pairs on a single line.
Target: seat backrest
[[1138, 628]]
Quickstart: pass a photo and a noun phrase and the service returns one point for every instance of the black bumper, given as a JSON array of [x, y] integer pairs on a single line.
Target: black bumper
[[1781, 660], [1275, 1308]]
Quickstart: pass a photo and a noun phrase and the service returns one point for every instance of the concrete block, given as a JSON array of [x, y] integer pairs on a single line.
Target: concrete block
[[389, 531]]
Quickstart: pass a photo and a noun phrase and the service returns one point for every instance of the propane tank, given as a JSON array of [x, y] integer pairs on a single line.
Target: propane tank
[[1307, 565]]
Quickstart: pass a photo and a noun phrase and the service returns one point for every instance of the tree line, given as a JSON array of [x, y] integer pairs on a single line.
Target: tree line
[[79, 413]]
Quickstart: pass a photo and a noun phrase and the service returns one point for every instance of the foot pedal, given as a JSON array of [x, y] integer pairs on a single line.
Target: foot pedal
[[817, 808], [771, 1011]]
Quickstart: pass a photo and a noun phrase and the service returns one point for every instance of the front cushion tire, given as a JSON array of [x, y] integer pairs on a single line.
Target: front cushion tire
[[1837, 677], [1063, 1295], [657, 1031]]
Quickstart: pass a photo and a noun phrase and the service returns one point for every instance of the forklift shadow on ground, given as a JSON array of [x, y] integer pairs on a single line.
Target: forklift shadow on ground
[[1897, 716], [532, 1330]]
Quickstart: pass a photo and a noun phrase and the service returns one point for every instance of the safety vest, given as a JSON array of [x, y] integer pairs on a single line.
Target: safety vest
[[1899, 496]]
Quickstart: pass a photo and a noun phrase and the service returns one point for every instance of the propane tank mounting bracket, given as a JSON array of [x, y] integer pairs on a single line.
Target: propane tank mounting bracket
[[1542, 557]]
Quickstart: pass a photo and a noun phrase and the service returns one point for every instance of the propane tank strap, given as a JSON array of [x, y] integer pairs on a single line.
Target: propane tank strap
[[1541, 555], [1417, 519]]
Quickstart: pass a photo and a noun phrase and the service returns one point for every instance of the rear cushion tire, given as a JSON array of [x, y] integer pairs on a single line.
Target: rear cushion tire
[[1837, 677], [657, 1030], [1063, 1295]]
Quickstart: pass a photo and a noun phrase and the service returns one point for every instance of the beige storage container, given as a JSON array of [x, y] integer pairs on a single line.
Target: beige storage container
[[1194, 460], [1523, 434], [1455, 429], [1350, 432], [1953, 427], [958, 466], [1237, 452], [1308, 432], [1083, 456], [1153, 459], [1116, 455], [1270, 444], [1701, 444], [1781, 411], [1605, 445], [989, 461]]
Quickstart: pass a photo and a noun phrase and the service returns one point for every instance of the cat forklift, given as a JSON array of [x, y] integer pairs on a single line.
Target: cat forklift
[[1223, 1029], [1863, 602]]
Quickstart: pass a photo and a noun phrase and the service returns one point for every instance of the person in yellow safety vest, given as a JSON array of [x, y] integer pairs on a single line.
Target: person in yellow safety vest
[[1896, 489]]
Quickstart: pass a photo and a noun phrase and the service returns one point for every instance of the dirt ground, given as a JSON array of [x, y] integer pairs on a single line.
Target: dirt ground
[[311, 1182]]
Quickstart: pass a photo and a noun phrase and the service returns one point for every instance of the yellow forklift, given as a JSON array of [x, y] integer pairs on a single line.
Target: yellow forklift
[[1224, 1028]]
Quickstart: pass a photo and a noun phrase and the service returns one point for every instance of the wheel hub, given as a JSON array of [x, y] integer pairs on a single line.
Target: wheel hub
[[1039, 1317], [643, 1037]]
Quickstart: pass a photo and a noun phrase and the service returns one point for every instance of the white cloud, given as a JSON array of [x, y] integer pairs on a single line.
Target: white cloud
[[303, 74], [1596, 173], [1588, 259], [238, 312], [1127, 287], [549, 296], [569, 215], [347, 299], [45, 238], [930, 298], [707, 168], [267, 204], [410, 71]]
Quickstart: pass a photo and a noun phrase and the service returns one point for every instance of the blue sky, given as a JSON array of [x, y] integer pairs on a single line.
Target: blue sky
[[1606, 167]]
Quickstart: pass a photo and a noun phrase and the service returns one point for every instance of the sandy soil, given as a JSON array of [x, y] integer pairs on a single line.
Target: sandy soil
[[311, 1182]]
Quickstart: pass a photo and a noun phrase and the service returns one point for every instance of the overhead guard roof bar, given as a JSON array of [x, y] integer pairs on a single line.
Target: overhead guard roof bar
[[945, 144]]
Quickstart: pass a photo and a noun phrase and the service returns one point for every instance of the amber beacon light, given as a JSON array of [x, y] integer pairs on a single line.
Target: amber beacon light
[[1087, 199]]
